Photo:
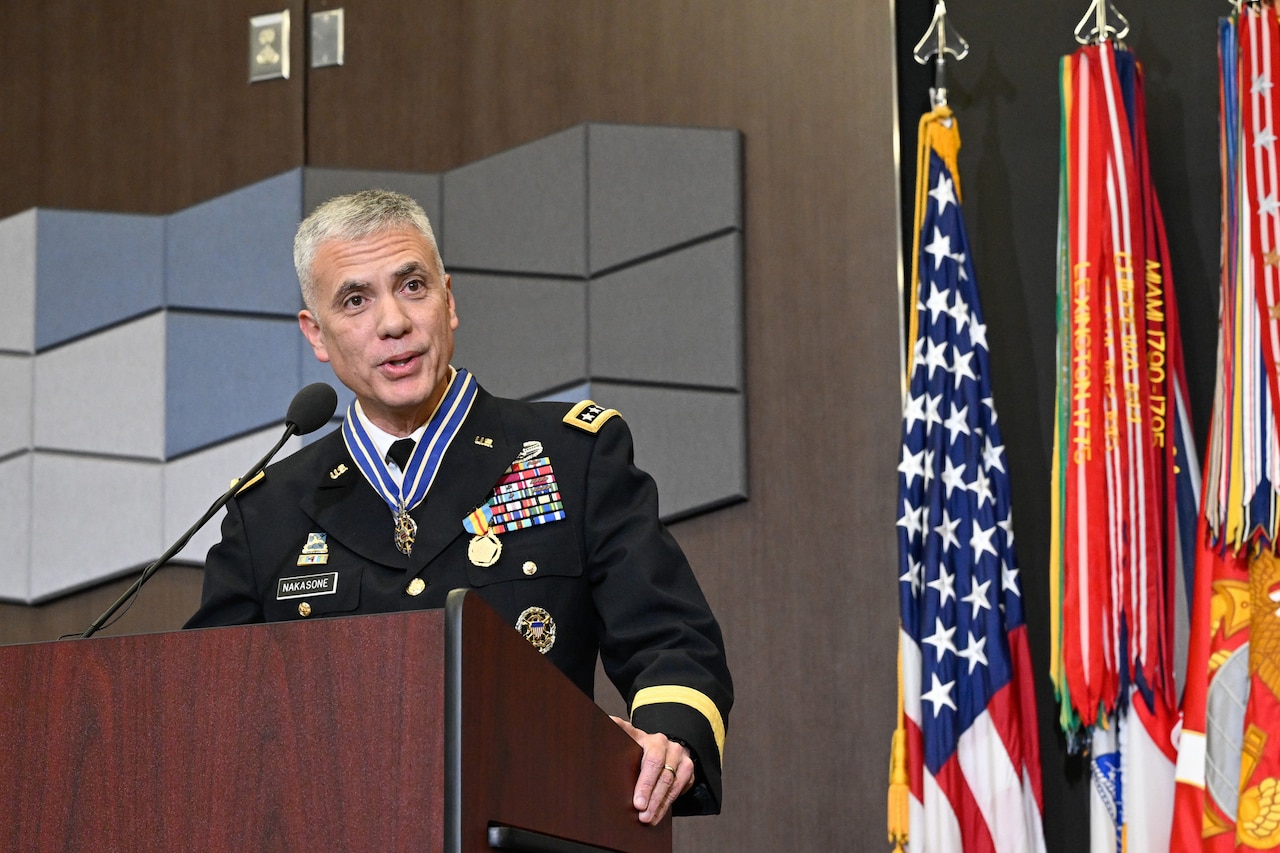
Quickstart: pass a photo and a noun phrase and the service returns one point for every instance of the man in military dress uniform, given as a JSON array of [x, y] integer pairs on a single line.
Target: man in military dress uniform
[[433, 484]]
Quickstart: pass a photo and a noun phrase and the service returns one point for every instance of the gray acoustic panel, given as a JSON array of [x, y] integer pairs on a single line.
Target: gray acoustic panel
[[95, 269], [692, 442], [652, 188], [226, 376], [18, 281], [15, 531], [104, 393], [320, 185], [128, 424], [572, 394], [235, 252], [676, 318], [194, 482], [16, 382], [521, 211], [520, 336], [91, 518]]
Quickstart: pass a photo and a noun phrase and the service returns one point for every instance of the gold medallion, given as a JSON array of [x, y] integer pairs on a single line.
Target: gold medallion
[[484, 550], [537, 626], [416, 586], [406, 530]]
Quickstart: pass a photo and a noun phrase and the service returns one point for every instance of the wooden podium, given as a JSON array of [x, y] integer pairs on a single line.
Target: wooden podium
[[432, 731]]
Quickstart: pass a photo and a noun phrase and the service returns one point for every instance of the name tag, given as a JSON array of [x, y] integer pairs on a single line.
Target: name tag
[[304, 585]]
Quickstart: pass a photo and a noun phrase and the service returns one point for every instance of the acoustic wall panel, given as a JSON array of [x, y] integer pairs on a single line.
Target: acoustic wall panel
[[653, 188], [16, 382], [128, 424], [15, 532], [104, 393], [520, 336], [18, 281], [226, 376], [692, 442], [522, 211], [235, 252], [676, 318], [95, 269], [91, 518]]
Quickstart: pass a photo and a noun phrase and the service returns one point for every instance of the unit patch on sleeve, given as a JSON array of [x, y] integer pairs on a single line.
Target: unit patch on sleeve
[[589, 416]]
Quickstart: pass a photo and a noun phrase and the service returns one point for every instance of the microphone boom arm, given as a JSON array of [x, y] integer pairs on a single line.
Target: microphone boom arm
[[290, 430]]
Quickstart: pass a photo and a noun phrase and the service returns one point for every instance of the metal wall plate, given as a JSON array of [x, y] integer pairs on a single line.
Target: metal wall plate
[[269, 47], [326, 38]]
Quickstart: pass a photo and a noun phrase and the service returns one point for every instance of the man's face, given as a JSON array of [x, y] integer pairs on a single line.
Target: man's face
[[385, 323]]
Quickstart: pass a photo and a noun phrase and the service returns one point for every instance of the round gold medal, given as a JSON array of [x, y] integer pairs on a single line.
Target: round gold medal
[[484, 550]]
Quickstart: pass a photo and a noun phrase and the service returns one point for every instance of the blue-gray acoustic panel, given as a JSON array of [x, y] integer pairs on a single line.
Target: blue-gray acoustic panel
[[520, 337], [18, 282], [104, 393], [235, 252], [95, 269], [16, 415], [676, 318], [15, 532], [692, 442], [226, 376], [652, 188], [521, 211], [91, 519], [572, 394], [320, 185]]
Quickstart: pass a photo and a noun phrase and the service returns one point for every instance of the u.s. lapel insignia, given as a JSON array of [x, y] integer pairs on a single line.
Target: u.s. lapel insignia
[[537, 626], [484, 441], [315, 552], [338, 472]]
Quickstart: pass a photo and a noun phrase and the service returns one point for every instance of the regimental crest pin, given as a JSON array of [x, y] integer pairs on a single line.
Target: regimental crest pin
[[316, 551], [537, 626]]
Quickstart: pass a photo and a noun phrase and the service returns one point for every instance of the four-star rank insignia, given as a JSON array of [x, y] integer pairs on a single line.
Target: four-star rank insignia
[[537, 626]]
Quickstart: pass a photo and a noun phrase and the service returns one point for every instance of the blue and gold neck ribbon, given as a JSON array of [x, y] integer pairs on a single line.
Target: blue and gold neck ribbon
[[424, 464]]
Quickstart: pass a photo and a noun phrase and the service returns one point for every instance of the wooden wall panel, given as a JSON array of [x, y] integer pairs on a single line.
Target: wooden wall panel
[[803, 574], [139, 107]]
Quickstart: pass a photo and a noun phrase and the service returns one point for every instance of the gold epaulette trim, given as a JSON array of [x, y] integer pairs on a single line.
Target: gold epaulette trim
[[250, 484], [694, 699], [589, 417]]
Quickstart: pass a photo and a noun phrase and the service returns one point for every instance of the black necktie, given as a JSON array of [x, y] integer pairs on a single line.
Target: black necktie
[[400, 452]]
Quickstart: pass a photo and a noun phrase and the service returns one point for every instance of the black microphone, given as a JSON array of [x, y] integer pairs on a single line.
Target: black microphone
[[311, 408]]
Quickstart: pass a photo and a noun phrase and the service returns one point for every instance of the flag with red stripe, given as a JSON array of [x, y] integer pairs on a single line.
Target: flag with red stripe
[[971, 747]]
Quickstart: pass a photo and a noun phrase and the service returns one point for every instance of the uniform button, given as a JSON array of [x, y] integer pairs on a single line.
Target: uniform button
[[416, 586], [304, 609], [530, 567]]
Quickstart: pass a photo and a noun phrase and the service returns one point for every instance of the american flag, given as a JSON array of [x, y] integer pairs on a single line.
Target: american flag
[[972, 753]]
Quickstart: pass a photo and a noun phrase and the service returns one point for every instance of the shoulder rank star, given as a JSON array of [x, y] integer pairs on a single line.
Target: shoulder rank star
[[589, 416]]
